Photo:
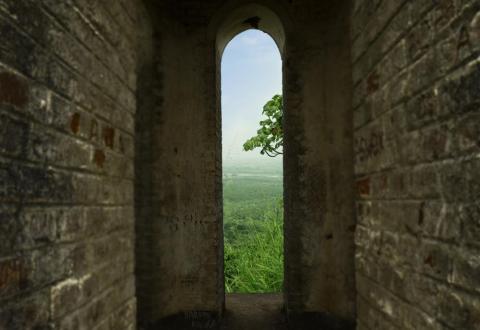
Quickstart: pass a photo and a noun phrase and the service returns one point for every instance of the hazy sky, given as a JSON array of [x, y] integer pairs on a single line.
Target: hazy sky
[[251, 75]]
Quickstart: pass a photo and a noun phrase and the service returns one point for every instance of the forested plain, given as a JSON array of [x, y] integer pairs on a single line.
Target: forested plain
[[253, 228]]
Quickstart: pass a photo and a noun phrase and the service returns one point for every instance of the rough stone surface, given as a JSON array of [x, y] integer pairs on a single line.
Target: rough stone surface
[[250, 311], [416, 74], [68, 72], [179, 195], [110, 161]]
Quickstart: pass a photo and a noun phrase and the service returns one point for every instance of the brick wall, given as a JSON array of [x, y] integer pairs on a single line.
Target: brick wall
[[67, 105], [417, 148]]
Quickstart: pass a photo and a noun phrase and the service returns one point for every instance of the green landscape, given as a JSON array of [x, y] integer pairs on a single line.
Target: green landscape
[[253, 224]]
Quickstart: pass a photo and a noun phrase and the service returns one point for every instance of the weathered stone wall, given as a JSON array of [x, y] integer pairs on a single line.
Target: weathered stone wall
[[416, 102], [179, 223], [74, 72], [67, 106], [179, 266], [318, 164]]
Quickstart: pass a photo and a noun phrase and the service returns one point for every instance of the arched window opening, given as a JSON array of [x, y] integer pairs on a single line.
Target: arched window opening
[[252, 110]]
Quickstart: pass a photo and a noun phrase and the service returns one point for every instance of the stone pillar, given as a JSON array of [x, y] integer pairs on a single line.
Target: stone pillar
[[319, 200], [182, 230]]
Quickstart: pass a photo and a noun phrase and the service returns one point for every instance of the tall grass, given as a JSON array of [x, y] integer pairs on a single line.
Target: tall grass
[[254, 252]]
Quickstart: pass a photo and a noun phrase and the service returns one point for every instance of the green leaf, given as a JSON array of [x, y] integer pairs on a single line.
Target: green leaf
[[270, 134]]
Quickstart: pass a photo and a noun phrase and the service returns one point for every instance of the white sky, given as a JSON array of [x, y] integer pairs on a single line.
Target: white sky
[[251, 75]]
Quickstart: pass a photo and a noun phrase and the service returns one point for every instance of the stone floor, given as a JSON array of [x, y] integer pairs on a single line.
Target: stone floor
[[254, 311]]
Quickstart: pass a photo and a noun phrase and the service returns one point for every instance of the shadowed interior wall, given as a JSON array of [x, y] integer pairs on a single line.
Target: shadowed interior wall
[[417, 96], [181, 236], [67, 107], [179, 228], [319, 212], [72, 74]]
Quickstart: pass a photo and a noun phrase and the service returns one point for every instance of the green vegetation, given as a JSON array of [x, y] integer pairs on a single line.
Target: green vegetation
[[253, 212], [270, 134], [253, 223]]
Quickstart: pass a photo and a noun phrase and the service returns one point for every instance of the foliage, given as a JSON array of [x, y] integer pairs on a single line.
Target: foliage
[[270, 135], [253, 223]]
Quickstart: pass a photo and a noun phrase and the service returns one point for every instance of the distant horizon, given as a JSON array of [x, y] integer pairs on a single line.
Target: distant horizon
[[263, 161], [251, 76]]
